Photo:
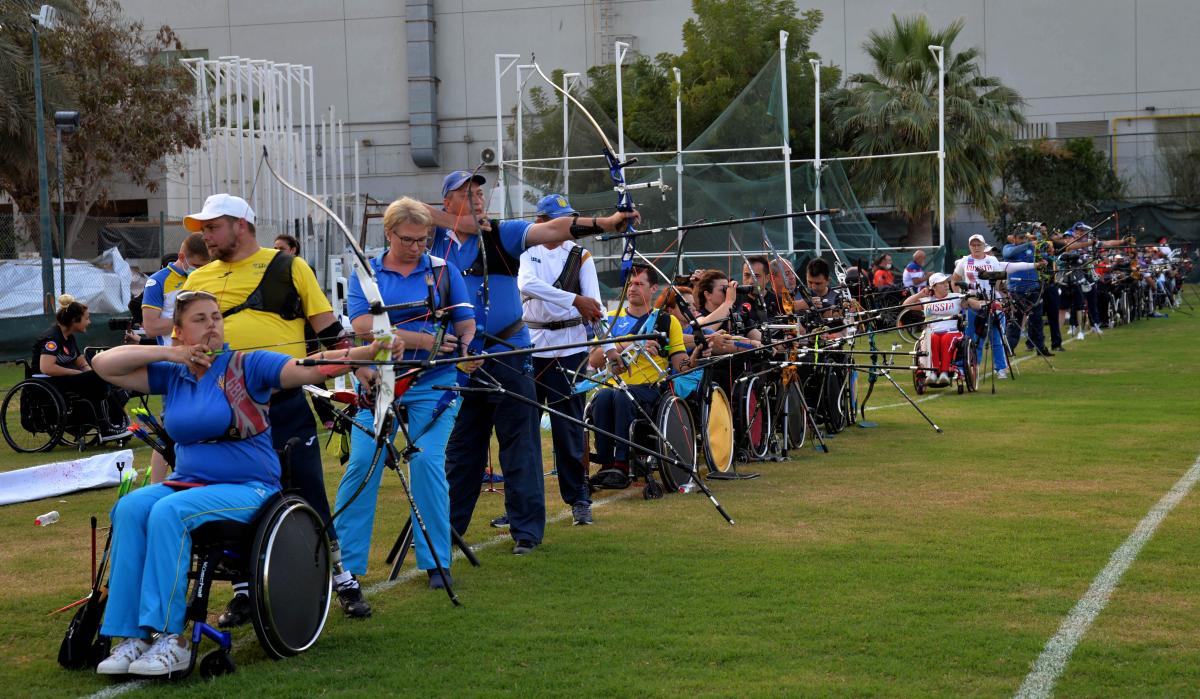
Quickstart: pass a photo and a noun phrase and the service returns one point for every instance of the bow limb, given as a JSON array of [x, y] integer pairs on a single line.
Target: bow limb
[[381, 327]]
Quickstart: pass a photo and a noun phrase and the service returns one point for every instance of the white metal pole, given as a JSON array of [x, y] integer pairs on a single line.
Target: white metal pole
[[816, 67], [358, 197], [679, 164], [241, 127], [285, 77], [521, 139], [500, 178], [341, 163], [312, 125], [939, 53], [566, 86], [786, 148], [251, 120], [621, 48]]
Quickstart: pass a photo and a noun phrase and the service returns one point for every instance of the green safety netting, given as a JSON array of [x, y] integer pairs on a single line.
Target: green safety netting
[[734, 169]]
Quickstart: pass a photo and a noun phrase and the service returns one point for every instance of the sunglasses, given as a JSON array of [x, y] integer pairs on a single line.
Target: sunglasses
[[189, 296]]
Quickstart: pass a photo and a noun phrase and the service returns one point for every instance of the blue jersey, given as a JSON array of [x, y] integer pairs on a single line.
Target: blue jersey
[[504, 298], [1025, 280], [196, 412], [396, 287], [160, 292]]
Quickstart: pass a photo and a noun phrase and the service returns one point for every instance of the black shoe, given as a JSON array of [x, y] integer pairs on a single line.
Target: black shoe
[[581, 513], [523, 547], [236, 614], [1058, 348], [437, 581], [353, 603], [500, 522], [1045, 352]]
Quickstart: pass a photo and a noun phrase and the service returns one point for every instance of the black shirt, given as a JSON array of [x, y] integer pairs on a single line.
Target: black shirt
[[52, 342]]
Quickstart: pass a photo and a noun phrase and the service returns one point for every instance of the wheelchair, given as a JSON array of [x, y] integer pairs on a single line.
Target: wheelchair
[[38, 415], [671, 431], [284, 554], [964, 360]]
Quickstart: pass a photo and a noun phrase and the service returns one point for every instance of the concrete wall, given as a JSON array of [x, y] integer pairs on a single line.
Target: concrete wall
[[1072, 60]]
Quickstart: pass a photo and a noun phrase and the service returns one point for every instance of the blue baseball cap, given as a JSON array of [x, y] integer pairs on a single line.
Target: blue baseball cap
[[1081, 226], [457, 179], [554, 206]]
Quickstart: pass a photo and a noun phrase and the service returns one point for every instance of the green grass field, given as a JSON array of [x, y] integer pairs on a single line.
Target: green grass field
[[903, 563]]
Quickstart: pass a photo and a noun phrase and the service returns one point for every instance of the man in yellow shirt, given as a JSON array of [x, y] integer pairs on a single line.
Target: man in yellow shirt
[[267, 296], [613, 409]]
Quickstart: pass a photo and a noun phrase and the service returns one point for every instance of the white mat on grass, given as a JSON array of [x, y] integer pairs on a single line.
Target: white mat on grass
[[48, 480]]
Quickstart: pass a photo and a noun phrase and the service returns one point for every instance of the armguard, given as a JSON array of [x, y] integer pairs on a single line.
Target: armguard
[[578, 231], [333, 336]]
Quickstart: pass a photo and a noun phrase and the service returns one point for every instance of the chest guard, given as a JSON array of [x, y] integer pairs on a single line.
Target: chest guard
[[498, 260]]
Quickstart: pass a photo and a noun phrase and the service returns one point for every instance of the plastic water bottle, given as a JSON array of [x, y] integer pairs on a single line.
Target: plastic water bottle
[[688, 487], [47, 519]]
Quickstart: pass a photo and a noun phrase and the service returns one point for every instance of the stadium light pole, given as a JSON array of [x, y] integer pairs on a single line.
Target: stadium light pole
[[939, 55], [621, 49], [679, 163], [46, 18], [64, 123]]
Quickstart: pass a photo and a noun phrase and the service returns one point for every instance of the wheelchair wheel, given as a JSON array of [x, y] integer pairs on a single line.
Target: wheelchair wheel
[[293, 581], [216, 663], [754, 417], [970, 364], [796, 425], [907, 317], [33, 414], [674, 421], [716, 419]]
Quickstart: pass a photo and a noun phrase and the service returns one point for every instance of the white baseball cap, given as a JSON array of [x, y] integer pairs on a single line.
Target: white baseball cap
[[219, 205], [975, 237], [938, 278]]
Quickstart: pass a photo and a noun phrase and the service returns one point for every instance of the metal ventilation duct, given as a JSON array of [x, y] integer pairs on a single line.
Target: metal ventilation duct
[[422, 83]]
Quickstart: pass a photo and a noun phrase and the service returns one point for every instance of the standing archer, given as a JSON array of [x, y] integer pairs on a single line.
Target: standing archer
[[488, 252]]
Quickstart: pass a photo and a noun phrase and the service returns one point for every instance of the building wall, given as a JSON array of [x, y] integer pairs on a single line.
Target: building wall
[[1072, 60]]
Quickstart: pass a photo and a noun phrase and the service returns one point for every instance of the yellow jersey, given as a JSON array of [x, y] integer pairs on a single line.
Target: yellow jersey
[[648, 369], [233, 282]]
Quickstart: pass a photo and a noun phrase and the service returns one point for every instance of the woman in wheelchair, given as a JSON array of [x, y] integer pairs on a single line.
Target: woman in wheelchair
[[56, 354], [943, 308], [216, 412]]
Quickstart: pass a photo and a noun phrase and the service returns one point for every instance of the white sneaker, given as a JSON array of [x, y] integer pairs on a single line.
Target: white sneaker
[[125, 653], [1096, 329], [1079, 335], [169, 654], [1002, 374]]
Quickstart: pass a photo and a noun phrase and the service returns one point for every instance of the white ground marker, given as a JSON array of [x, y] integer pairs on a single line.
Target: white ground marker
[[1050, 664]]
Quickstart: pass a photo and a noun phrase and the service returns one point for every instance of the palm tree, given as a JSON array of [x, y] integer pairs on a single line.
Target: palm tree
[[894, 110]]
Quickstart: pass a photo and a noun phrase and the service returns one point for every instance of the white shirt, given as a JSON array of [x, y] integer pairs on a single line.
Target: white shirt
[[945, 311], [543, 303], [969, 267]]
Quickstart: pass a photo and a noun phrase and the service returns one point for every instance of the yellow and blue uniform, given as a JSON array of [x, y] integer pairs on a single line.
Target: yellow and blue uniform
[[233, 282], [161, 289], [290, 414], [151, 548], [614, 409], [427, 469], [515, 421]]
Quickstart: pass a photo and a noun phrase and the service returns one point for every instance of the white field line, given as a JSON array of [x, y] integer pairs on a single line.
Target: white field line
[[1050, 664], [383, 585], [939, 394]]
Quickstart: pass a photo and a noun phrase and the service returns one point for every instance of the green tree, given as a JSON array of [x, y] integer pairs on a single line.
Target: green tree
[[894, 110], [1055, 182], [135, 109]]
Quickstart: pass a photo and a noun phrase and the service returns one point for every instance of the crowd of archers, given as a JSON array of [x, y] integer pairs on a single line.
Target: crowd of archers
[[492, 326]]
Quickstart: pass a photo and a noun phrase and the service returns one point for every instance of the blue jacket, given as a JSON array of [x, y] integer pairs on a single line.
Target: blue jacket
[[1026, 280]]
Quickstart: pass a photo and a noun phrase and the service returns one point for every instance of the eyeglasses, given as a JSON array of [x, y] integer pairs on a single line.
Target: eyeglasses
[[410, 242]]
